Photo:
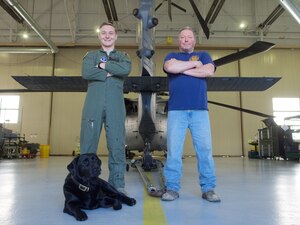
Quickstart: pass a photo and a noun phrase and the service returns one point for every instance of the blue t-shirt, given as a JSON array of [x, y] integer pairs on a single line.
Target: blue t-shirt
[[188, 92]]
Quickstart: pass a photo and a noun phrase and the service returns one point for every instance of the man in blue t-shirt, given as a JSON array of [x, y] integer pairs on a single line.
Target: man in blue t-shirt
[[187, 108]]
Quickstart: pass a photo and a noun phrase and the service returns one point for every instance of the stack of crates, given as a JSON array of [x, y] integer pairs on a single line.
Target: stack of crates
[[268, 142]]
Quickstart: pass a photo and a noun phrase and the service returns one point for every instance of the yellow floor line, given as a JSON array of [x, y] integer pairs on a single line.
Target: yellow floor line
[[153, 211]]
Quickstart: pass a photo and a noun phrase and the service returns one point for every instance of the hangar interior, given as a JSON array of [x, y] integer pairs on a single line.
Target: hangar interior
[[51, 37], [70, 27]]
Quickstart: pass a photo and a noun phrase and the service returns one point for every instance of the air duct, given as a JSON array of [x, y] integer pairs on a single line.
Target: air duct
[[293, 7], [24, 50], [214, 11], [23, 13], [272, 17]]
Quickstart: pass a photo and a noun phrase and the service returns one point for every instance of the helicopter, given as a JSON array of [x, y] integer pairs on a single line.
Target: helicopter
[[146, 119]]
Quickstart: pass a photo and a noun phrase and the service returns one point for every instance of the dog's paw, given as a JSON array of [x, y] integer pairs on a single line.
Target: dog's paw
[[77, 213], [81, 216], [130, 202], [117, 205]]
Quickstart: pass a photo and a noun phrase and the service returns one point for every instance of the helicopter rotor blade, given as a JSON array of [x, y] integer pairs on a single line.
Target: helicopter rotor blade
[[158, 6], [200, 19], [170, 9], [241, 109], [257, 47], [178, 7]]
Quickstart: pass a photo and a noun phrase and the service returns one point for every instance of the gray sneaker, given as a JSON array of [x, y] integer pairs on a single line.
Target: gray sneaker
[[170, 195], [211, 196]]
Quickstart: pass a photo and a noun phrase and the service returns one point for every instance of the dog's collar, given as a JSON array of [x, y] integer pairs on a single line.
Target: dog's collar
[[80, 186]]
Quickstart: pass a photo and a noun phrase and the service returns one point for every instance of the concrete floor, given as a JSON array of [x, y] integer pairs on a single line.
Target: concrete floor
[[253, 191]]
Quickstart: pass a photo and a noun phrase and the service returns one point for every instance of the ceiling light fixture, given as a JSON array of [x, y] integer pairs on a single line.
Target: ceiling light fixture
[[293, 7], [242, 25], [25, 35]]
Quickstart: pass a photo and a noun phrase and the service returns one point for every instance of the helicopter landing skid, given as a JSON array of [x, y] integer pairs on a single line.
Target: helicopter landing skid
[[143, 169]]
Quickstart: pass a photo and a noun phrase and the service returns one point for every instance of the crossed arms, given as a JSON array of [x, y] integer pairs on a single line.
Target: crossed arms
[[190, 68]]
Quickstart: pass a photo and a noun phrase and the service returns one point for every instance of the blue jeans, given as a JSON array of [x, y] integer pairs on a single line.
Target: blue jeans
[[198, 123]]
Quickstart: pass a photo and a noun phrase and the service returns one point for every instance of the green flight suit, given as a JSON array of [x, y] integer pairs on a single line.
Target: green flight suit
[[104, 104]]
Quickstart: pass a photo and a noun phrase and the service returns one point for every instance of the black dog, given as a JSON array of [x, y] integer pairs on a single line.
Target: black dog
[[83, 189]]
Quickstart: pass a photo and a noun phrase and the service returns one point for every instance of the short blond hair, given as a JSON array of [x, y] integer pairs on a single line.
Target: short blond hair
[[108, 24]]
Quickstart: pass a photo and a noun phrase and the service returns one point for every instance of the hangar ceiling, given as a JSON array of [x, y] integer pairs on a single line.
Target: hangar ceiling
[[74, 22]]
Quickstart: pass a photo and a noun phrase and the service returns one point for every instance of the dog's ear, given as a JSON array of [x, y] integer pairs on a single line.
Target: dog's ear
[[72, 167]]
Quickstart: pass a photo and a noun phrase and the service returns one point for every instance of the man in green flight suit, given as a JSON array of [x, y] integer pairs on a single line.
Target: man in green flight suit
[[106, 70]]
